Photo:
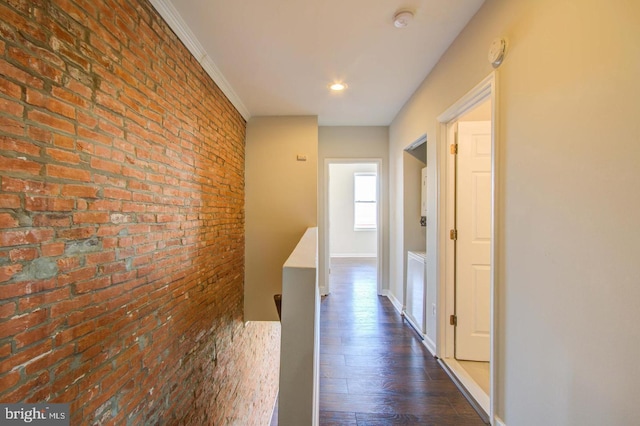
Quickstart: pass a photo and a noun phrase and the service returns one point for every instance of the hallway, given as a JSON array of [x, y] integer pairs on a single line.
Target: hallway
[[373, 368]]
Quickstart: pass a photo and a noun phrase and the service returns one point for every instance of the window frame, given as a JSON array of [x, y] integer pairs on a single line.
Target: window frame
[[357, 225]]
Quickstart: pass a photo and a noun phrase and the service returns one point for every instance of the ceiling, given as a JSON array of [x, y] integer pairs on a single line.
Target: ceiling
[[277, 57]]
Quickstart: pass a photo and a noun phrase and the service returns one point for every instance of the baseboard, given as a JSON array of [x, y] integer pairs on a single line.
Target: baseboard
[[358, 255], [395, 302], [478, 399], [498, 421], [429, 344]]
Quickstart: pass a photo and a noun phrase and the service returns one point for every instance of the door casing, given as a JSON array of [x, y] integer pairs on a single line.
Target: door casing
[[324, 286], [445, 263]]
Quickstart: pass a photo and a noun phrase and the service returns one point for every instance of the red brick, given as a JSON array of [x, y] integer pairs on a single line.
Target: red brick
[[64, 307], [69, 96], [77, 233], [20, 323], [39, 134], [82, 191], [9, 380], [7, 310], [63, 141], [108, 205], [33, 203], [10, 71], [90, 217], [51, 220], [45, 298], [7, 221], [51, 121], [10, 89], [74, 332], [107, 166], [8, 201], [94, 338], [17, 255], [26, 287], [93, 137], [116, 193], [100, 258], [52, 249], [63, 156], [35, 335], [11, 144], [50, 104], [30, 186], [11, 107], [5, 350], [18, 165], [22, 237], [93, 285], [64, 172]]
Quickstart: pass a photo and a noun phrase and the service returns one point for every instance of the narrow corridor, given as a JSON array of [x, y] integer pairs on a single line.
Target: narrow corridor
[[374, 369]]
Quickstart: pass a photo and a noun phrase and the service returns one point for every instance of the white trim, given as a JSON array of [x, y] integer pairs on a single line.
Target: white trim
[[373, 255], [324, 287], [467, 381], [486, 89], [429, 344], [479, 93], [498, 421], [172, 17], [395, 302]]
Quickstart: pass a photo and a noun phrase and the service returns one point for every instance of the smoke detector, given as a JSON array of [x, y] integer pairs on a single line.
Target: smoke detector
[[402, 18]]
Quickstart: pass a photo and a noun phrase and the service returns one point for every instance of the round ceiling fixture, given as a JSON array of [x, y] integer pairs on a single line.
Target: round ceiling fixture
[[402, 18], [337, 87]]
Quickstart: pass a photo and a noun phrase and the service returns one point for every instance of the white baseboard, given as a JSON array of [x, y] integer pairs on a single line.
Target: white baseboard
[[352, 255], [429, 344], [467, 381], [498, 421], [395, 302]]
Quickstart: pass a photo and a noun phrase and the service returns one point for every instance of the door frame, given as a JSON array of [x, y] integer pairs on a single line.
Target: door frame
[[445, 264], [325, 286]]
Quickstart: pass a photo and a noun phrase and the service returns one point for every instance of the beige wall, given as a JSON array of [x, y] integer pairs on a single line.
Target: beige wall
[[365, 142], [281, 195], [569, 167]]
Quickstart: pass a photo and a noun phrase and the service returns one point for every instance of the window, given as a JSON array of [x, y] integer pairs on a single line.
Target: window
[[365, 197]]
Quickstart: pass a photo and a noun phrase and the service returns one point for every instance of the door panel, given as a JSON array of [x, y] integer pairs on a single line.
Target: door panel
[[473, 245]]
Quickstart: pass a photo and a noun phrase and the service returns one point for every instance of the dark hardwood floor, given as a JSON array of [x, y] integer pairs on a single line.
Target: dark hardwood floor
[[374, 369]]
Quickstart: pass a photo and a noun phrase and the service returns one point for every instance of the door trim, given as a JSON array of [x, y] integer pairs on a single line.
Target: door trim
[[486, 89], [326, 254]]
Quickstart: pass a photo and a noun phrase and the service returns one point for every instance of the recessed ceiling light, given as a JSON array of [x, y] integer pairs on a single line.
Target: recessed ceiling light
[[337, 87], [402, 18]]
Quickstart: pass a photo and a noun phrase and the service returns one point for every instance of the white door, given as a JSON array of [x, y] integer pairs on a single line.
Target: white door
[[473, 244]]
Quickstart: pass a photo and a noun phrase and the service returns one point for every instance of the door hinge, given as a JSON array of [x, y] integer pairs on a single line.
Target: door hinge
[[453, 234], [453, 320], [454, 148]]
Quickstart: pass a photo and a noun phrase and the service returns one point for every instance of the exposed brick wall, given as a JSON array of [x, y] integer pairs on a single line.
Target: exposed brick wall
[[122, 224]]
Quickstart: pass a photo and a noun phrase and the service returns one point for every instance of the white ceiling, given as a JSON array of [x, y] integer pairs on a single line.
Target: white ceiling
[[277, 57]]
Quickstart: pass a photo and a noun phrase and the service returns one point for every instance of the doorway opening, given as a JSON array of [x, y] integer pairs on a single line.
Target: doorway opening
[[353, 215], [467, 242]]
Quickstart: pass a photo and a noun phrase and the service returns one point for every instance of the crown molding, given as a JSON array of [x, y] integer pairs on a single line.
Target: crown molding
[[171, 16]]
